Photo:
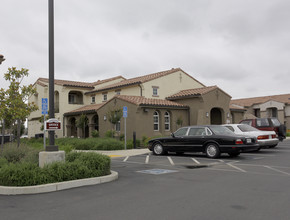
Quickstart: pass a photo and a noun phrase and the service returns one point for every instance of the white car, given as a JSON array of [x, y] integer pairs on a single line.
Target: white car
[[266, 139]]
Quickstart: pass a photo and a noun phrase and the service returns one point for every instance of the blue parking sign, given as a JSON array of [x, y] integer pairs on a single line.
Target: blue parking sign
[[125, 112], [44, 106]]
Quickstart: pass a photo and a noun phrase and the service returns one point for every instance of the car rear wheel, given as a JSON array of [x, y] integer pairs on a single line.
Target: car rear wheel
[[212, 150], [158, 149]]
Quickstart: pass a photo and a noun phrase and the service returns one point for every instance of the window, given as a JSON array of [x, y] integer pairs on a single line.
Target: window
[[118, 126], [71, 98], [167, 121], [156, 121], [181, 132], [105, 97], [197, 132], [155, 90], [93, 99]]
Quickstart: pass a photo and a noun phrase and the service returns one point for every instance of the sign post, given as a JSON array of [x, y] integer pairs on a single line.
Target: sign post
[[44, 109], [125, 114]]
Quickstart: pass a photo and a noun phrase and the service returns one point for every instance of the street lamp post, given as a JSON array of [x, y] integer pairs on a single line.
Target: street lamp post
[[51, 146]]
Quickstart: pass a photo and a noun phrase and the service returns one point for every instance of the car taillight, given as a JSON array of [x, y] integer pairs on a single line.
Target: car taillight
[[239, 141], [263, 137], [274, 135]]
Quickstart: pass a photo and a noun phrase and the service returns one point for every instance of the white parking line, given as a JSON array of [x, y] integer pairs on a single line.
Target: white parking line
[[171, 161], [126, 159], [147, 159], [280, 171], [196, 161], [231, 165]]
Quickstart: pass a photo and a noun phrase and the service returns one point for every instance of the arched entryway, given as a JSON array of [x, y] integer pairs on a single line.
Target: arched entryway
[[96, 122], [215, 116], [73, 127]]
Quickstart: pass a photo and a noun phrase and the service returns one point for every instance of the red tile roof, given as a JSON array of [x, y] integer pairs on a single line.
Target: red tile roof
[[193, 92], [79, 84], [141, 79], [142, 101], [85, 109], [284, 98]]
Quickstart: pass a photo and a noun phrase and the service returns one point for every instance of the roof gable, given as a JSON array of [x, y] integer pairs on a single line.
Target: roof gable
[[141, 79], [188, 93]]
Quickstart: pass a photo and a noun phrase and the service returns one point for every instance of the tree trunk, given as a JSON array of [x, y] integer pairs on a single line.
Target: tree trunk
[[18, 132], [3, 133]]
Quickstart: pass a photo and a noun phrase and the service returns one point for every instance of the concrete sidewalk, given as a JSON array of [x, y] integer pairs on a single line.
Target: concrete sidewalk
[[121, 153]]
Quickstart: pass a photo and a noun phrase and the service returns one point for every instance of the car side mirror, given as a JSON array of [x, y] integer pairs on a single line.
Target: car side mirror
[[172, 135]]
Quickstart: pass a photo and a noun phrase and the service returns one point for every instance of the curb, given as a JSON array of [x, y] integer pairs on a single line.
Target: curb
[[53, 187]]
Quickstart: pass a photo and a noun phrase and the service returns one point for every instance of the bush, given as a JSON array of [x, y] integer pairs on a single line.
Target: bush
[[110, 134], [95, 134], [14, 154], [77, 166], [130, 144]]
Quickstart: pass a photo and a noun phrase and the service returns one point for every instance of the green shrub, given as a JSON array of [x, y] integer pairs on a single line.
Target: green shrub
[[110, 134], [3, 162], [122, 137], [77, 166], [130, 144], [95, 134], [288, 134]]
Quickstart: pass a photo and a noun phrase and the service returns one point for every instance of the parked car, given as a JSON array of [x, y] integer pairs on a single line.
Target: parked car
[[210, 139], [265, 138], [267, 124]]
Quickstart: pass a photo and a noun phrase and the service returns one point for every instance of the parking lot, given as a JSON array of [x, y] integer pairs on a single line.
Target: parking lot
[[251, 186], [264, 162]]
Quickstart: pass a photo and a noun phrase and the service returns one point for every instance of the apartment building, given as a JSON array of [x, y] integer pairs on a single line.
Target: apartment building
[[157, 104]]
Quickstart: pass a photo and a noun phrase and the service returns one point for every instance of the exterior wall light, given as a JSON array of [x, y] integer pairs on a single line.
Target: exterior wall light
[[105, 117], [207, 114]]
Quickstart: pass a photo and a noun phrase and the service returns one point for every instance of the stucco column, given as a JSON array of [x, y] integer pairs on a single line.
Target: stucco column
[[91, 129], [80, 132], [68, 130]]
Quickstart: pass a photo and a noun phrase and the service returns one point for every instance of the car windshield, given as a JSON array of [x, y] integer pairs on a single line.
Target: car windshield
[[247, 128], [275, 122], [220, 130], [180, 132]]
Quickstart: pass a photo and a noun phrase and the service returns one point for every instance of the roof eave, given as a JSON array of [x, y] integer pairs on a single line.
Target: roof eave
[[114, 87]]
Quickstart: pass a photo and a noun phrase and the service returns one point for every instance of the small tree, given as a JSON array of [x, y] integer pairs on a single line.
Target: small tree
[[114, 116], [179, 121], [82, 122], [15, 99]]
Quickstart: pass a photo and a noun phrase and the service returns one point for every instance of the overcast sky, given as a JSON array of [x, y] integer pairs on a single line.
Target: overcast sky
[[242, 46]]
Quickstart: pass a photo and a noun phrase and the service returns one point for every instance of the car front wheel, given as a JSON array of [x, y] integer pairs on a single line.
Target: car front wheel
[[212, 151], [158, 149]]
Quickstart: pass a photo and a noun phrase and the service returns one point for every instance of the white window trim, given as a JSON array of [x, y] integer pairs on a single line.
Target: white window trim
[[167, 123], [156, 123]]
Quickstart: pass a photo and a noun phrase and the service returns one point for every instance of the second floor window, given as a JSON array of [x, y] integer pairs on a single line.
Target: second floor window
[[105, 97], [155, 91], [93, 99]]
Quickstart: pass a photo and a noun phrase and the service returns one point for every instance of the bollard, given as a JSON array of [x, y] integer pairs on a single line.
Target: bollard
[[134, 139]]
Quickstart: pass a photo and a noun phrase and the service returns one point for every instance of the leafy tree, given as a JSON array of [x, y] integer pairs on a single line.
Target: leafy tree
[[15, 100], [114, 116], [82, 122]]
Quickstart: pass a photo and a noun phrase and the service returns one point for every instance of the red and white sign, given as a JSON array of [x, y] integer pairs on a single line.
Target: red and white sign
[[52, 124]]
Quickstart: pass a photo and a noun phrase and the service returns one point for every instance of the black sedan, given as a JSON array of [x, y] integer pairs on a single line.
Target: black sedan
[[210, 139]]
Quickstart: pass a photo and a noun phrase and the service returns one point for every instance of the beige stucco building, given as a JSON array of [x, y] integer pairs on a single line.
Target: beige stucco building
[[277, 106], [157, 104]]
